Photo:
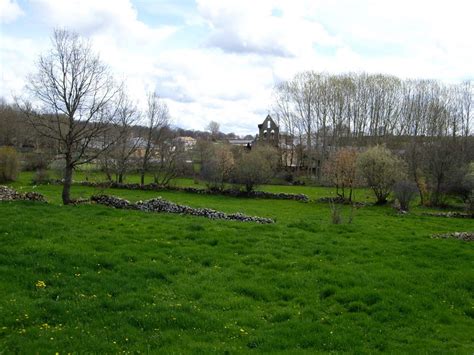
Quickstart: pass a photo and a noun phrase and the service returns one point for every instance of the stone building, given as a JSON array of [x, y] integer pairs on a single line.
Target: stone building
[[269, 132]]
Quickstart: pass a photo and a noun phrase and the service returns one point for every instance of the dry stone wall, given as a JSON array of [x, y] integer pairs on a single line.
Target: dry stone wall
[[9, 194], [466, 236], [449, 214], [162, 205], [226, 192]]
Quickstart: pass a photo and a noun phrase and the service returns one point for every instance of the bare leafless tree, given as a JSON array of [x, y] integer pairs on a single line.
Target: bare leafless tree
[[125, 146], [71, 92], [467, 97], [171, 158], [157, 118], [286, 118], [213, 127]]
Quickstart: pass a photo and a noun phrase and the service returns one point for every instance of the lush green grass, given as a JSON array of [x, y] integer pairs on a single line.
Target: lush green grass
[[95, 176], [126, 280]]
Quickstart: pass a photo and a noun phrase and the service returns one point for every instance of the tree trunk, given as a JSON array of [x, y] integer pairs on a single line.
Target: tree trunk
[[106, 168], [142, 178], [420, 187], [66, 195]]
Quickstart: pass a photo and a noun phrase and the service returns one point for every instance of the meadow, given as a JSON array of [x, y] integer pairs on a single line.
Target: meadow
[[89, 278]]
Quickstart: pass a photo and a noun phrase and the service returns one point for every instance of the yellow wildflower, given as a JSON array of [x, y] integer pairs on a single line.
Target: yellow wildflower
[[40, 284]]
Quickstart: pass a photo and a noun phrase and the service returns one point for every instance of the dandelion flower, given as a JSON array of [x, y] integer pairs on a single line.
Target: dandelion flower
[[40, 284]]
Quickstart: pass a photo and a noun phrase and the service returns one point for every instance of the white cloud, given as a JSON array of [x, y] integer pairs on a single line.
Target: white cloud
[[118, 18], [126, 43], [18, 56], [207, 84], [263, 27], [421, 38], [9, 11]]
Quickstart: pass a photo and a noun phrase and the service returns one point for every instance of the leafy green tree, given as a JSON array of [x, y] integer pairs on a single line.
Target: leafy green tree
[[255, 167], [381, 169]]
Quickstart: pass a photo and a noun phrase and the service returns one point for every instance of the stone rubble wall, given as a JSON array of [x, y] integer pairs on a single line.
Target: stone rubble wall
[[342, 201], [466, 236], [162, 205], [449, 214], [226, 192], [9, 194]]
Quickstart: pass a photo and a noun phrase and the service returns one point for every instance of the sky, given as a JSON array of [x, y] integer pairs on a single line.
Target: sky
[[220, 59]]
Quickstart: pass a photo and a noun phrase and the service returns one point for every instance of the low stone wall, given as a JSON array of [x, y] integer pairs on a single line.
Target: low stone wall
[[449, 214], [466, 236], [161, 205], [9, 194], [264, 195], [337, 199], [113, 201], [227, 192], [342, 201]]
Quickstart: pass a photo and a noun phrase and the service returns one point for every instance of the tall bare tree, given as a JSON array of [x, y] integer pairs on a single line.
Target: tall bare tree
[[213, 127], [157, 118], [171, 158], [73, 89], [121, 153], [286, 118]]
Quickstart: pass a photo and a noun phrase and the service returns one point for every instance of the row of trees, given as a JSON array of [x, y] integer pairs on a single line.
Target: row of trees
[[326, 111]]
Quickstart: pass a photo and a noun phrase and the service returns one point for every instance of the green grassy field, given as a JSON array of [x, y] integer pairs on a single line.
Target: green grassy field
[[130, 281]]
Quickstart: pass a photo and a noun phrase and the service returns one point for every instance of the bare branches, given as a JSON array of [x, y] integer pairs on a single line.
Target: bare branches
[[356, 105], [322, 112], [157, 118], [74, 91]]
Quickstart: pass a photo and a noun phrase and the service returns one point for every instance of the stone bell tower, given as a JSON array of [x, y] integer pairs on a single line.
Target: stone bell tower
[[268, 132]]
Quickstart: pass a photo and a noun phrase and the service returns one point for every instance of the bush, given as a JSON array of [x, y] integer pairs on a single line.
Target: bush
[[285, 176], [468, 184], [217, 166], [340, 170], [255, 167], [405, 192], [41, 176], [9, 164], [34, 161], [336, 215], [57, 167], [381, 169]]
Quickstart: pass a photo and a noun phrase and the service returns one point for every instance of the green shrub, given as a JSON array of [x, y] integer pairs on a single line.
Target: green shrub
[[57, 167], [336, 215], [255, 167], [34, 161], [381, 169], [217, 166], [468, 184], [405, 192], [41, 176], [9, 164]]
